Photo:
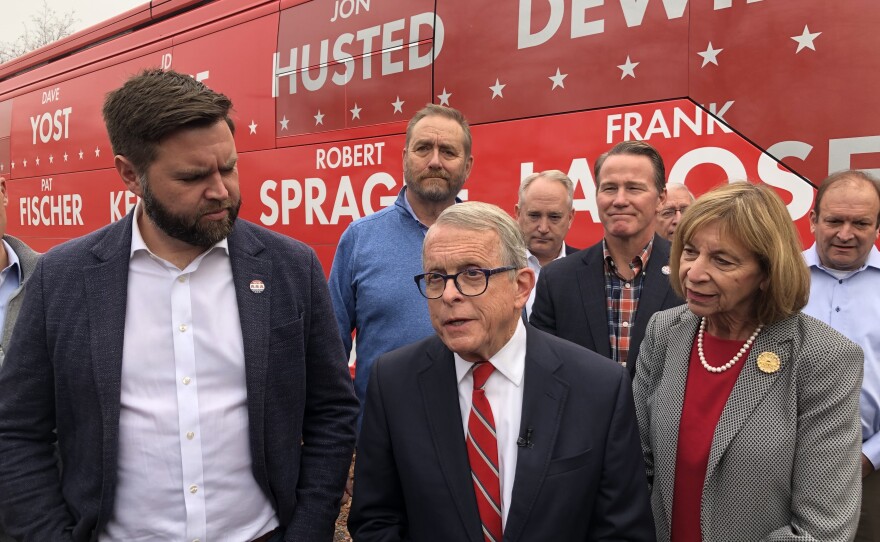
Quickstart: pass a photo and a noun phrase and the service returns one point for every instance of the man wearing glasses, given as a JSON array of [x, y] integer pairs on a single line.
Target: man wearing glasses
[[678, 199], [492, 429]]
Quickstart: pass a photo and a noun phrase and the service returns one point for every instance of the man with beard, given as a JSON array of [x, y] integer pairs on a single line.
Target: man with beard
[[380, 252], [167, 356]]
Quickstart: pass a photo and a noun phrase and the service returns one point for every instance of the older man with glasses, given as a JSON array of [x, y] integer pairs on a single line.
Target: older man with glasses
[[678, 199], [492, 429]]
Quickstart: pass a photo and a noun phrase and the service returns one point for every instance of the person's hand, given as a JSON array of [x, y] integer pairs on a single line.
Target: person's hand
[[867, 468], [349, 484], [349, 491]]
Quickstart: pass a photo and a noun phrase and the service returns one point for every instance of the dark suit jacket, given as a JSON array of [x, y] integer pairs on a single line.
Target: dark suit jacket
[[583, 479], [569, 250], [63, 373], [570, 299]]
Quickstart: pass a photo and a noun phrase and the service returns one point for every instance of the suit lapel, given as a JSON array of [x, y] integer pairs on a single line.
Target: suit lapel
[[245, 251], [670, 400], [544, 397], [591, 282], [750, 389], [439, 390], [106, 293], [656, 285]]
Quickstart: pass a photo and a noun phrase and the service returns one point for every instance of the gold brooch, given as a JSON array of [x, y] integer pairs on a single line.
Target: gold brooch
[[768, 362]]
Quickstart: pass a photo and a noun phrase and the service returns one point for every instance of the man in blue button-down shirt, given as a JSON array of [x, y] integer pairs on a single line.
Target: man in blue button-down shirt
[[17, 260], [845, 293]]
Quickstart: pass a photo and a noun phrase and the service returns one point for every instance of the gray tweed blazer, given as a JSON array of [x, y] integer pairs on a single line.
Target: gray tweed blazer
[[784, 463], [27, 259]]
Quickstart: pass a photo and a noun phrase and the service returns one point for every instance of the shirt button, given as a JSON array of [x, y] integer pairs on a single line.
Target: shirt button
[[196, 540], [186, 380], [837, 309], [193, 488], [182, 327], [190, 435], [625, 324], [626, 285], [181, 279]]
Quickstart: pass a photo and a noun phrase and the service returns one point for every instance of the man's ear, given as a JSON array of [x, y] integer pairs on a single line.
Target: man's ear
[[128, 174]]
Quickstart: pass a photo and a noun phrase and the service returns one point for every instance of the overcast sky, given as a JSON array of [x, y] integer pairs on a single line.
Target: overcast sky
[[14, 14]]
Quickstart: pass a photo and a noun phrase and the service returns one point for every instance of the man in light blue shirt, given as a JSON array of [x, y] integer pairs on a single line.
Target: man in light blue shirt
[[845, 293], [371, 281], [17, 261]]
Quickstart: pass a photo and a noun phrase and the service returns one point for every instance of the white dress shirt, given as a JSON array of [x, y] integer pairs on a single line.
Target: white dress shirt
[[504, 390], [535, 266], [184, 465]]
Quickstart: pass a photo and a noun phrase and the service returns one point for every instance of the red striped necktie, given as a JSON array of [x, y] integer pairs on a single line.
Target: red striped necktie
[[482, 446]]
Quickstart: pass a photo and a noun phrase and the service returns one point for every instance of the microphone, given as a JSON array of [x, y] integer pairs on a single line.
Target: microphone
[[525, 441]]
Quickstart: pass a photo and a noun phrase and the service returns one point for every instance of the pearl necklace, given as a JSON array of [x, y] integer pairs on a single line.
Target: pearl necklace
[[735, 358]]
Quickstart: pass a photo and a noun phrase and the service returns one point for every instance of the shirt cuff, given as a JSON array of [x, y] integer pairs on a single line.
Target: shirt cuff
[[871, 449]]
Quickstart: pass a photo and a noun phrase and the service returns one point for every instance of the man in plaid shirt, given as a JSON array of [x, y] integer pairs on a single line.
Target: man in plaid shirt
[[628, 268]]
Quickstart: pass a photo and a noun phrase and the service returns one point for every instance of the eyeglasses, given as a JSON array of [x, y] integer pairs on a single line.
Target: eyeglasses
[[470, 282], [669, 212]]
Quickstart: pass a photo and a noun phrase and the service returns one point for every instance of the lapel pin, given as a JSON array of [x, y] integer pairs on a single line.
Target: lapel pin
[[665, 269], [768, 362], [257, 286]]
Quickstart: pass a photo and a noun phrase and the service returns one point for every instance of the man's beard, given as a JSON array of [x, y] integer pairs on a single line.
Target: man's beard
[[191, 230], [435, 191]]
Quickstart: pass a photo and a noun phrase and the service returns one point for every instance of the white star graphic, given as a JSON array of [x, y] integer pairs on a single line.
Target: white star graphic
[[65, 156], [444, 98], [13, 165], [628, 68], [252, 127], [319, 118], [284, 122], [38, 160], [51, 159], [558, 79], [97, 152], [710, 55], [805, 40], [80, 154], [24, 162], [355, 111], [2, 167], [398, 105], [496, 89]]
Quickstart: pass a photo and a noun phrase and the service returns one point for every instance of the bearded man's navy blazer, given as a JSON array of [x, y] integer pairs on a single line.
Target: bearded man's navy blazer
[[63, 369]]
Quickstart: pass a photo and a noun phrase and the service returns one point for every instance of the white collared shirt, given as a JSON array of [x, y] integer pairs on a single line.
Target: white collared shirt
[[535, 266], [504, 390], [184, 464]]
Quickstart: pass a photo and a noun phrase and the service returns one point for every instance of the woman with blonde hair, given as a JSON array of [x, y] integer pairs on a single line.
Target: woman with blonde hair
[[747, 408]]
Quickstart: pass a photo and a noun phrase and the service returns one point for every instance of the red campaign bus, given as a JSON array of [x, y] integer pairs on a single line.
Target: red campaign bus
[[774, 91]]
